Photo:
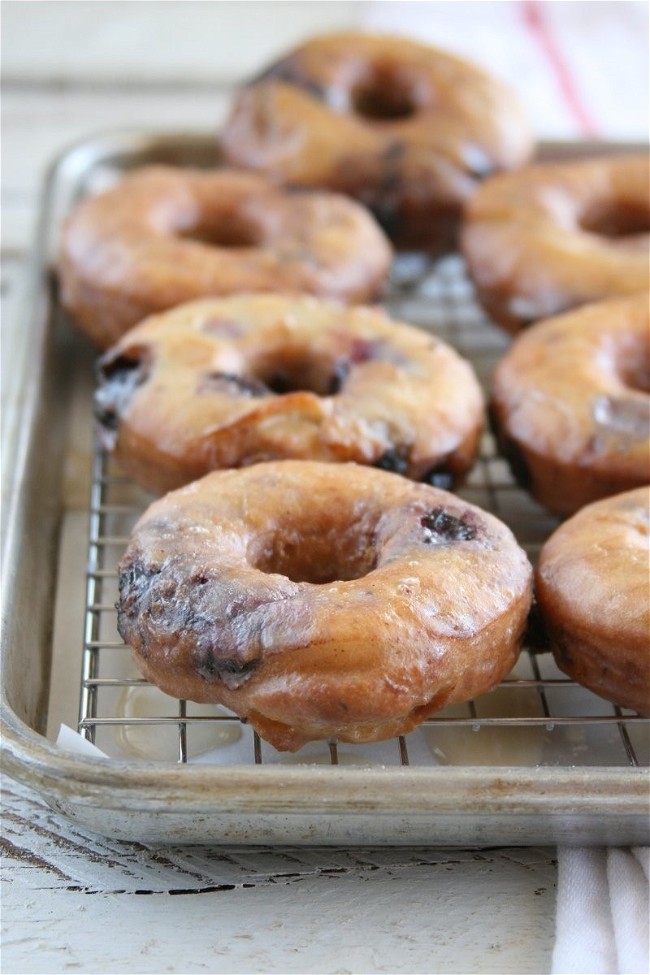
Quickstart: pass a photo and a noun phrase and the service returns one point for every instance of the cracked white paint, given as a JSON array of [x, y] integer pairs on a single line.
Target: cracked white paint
[[75, 901]]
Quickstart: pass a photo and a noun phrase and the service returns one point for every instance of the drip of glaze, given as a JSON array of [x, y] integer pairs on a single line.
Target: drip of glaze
[[624, 417], [154, 742], [232, 385]]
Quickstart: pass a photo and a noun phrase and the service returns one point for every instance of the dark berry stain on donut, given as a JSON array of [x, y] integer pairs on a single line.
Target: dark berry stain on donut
[[289, 73], [118, 380], [364, 350], [360, 351], [340, 373], [394, 460], [163, 603], [232, 385], [440, 526], [231, 671], [134, 583], [439, 476]]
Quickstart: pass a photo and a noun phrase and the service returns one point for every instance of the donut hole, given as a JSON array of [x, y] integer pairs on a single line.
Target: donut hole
[[294, 376], [305, 554], [616, 220], [303, 370], [230, 233], [384, 94]]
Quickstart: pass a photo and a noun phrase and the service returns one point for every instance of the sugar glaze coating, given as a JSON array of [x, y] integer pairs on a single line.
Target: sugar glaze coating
[[407, 129], [163, 236], [322, 600], [553, 236], [571, 405], [234, 382], [593, 590]]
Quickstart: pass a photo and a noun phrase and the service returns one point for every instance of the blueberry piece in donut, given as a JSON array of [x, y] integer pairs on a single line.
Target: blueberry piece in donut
[[118, 378], [290, 377], [570, 404], [322, 601], [440, 525], [440, 476], [340, 373], [395, 459]]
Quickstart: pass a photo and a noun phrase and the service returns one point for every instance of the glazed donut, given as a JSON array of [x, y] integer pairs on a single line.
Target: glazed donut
[[554, 236], [231, 382], [406, 129], [320, 600], [164, 236], [593, 594], [570, 404]]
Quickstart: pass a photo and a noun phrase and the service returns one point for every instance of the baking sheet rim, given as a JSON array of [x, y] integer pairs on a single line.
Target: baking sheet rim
[[617, 794]]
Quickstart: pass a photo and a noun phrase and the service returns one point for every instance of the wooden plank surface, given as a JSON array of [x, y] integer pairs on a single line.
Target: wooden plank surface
[[74, 901]]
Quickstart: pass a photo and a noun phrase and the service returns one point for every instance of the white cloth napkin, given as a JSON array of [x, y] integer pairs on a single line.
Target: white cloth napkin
[[603, 904], [580, 69]]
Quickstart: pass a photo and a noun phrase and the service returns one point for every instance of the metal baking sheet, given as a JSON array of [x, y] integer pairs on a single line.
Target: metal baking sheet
[[539, 760]]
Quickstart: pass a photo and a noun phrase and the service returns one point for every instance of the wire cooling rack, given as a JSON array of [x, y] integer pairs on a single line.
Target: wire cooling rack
[[536, 716]]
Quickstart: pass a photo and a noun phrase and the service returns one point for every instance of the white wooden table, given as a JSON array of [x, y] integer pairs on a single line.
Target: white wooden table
[[76, 902]]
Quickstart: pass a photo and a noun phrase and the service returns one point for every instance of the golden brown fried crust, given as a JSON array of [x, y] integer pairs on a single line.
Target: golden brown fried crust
[[405, 128], [593, 589], [550, 237], [164, 236], [322, 600], [230, 383], [570, 404]]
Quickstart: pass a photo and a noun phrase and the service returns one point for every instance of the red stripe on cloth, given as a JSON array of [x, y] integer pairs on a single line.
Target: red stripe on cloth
[[538, 27]]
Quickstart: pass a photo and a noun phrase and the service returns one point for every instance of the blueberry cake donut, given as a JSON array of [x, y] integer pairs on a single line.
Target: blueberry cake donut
[[163, 236], [570, 404], [322, 600], [232, 382], [553, 236], [406, 129], [593, 591]]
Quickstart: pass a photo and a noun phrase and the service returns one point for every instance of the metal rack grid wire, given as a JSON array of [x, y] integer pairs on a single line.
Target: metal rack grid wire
[[536, 699]]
